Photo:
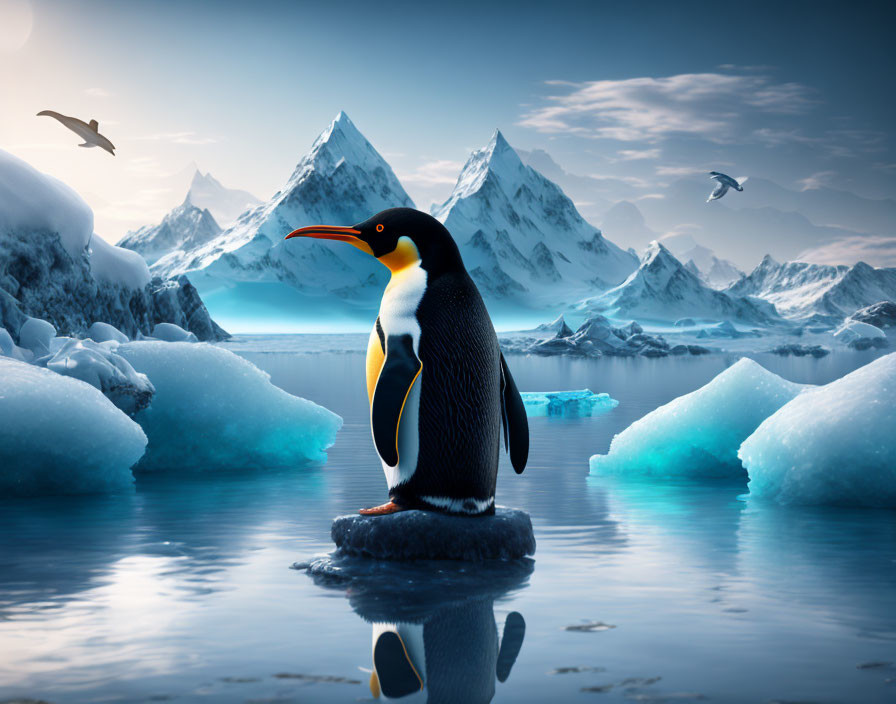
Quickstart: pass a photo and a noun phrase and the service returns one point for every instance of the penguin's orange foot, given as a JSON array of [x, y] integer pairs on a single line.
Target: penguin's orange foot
[[382, 510]]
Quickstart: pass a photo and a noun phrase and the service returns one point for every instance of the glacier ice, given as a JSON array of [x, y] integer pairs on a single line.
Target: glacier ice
[[35, 335], [100, 366], [859, 335], [8, 348], [169, 332], [831, 445], [61, 436], [698, 434], [56, 269], [568, 404], [103, 332], [214, 410], [427, 535]]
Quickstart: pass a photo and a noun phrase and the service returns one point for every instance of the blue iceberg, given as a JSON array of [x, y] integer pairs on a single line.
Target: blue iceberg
[[59, 435], [698, 434], [213, 410], [832, 445], [568, 404]]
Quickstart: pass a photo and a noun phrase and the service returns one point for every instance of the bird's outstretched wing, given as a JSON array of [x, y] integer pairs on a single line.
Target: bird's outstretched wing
[[718, 192], [715, 175], [741, 180], [398, 374], [516, 425]]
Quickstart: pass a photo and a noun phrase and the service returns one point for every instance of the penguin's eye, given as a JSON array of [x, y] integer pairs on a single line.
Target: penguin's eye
[[379, 228]]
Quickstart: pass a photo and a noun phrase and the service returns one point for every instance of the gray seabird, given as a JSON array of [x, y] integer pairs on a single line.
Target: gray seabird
[[87, 132], [724, 183]]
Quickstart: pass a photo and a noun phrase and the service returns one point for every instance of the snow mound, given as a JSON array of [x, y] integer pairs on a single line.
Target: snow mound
[[169, 332], [841, 456], [214, 410], [99, 365], [35, 335], [30, 200], [698, 434], [103, 332], [569, 404], [8, 348], [117, 265], [426, 535], [61, 436]]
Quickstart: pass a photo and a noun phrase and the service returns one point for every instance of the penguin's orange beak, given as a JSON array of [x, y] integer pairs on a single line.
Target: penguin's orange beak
[[333, 232]]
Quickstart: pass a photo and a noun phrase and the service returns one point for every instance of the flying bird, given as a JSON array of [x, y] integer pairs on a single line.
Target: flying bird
[[724, 183], [88, 132]]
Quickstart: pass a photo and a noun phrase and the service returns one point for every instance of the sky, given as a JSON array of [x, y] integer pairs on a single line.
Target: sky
[[799, 93]]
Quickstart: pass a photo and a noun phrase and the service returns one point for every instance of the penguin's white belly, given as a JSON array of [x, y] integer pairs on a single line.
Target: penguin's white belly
[[398, 316]]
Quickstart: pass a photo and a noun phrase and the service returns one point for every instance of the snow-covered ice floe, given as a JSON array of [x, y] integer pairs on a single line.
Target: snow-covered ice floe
[[99, 365], [169, 332], [427, 535], [698, 434], [61, 436], [832, 445], [860, 336], [569, 404], [214, 410]]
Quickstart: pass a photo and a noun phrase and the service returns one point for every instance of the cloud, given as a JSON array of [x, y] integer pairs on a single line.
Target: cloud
[[434, 173], [816, 180], [178, 138], [97, 93], [680, 170], [714, 106], [636, 154], [871, 249]]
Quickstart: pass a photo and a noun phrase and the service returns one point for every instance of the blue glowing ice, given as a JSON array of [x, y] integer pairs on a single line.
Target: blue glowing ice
[[569, 404]]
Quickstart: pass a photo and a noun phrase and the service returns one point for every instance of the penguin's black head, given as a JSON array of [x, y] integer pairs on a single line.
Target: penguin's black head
[[398, 238]]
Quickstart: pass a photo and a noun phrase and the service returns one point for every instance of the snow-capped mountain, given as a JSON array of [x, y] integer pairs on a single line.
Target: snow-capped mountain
[[662, 288], [717, 273], [53, 266], [342, 180], [521, 238], [225, 204], [185, 227], [799, 290]]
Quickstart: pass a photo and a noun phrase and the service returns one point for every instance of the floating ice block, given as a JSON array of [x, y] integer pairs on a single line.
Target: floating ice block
[[569, 404]]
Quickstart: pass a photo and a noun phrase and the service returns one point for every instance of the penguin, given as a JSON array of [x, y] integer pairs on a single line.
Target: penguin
[[439, 388]]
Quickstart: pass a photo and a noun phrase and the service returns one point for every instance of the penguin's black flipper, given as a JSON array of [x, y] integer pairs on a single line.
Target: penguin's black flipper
[[398, 374], [516, 425], [511, 642]]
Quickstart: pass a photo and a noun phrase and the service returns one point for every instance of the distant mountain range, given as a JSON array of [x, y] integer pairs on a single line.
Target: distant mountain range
[[800, 291], [225, 204], [524, 241], [663, 289]]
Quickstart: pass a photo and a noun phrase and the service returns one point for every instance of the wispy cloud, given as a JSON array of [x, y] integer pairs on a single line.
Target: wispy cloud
[[636, 154], [434, 173], [816, 180], [679, 170], [707, 105], [178, 138], [97, 93], [874, 250]]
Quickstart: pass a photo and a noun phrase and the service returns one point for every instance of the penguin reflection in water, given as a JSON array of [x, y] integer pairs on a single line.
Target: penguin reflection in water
[[439, 387], [455, 655]]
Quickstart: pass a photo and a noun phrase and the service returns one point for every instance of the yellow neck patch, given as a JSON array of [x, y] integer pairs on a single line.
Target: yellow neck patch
[[404, 255]]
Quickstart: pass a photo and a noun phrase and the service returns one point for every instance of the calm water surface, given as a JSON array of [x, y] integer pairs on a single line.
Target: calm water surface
[[183, 592]]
